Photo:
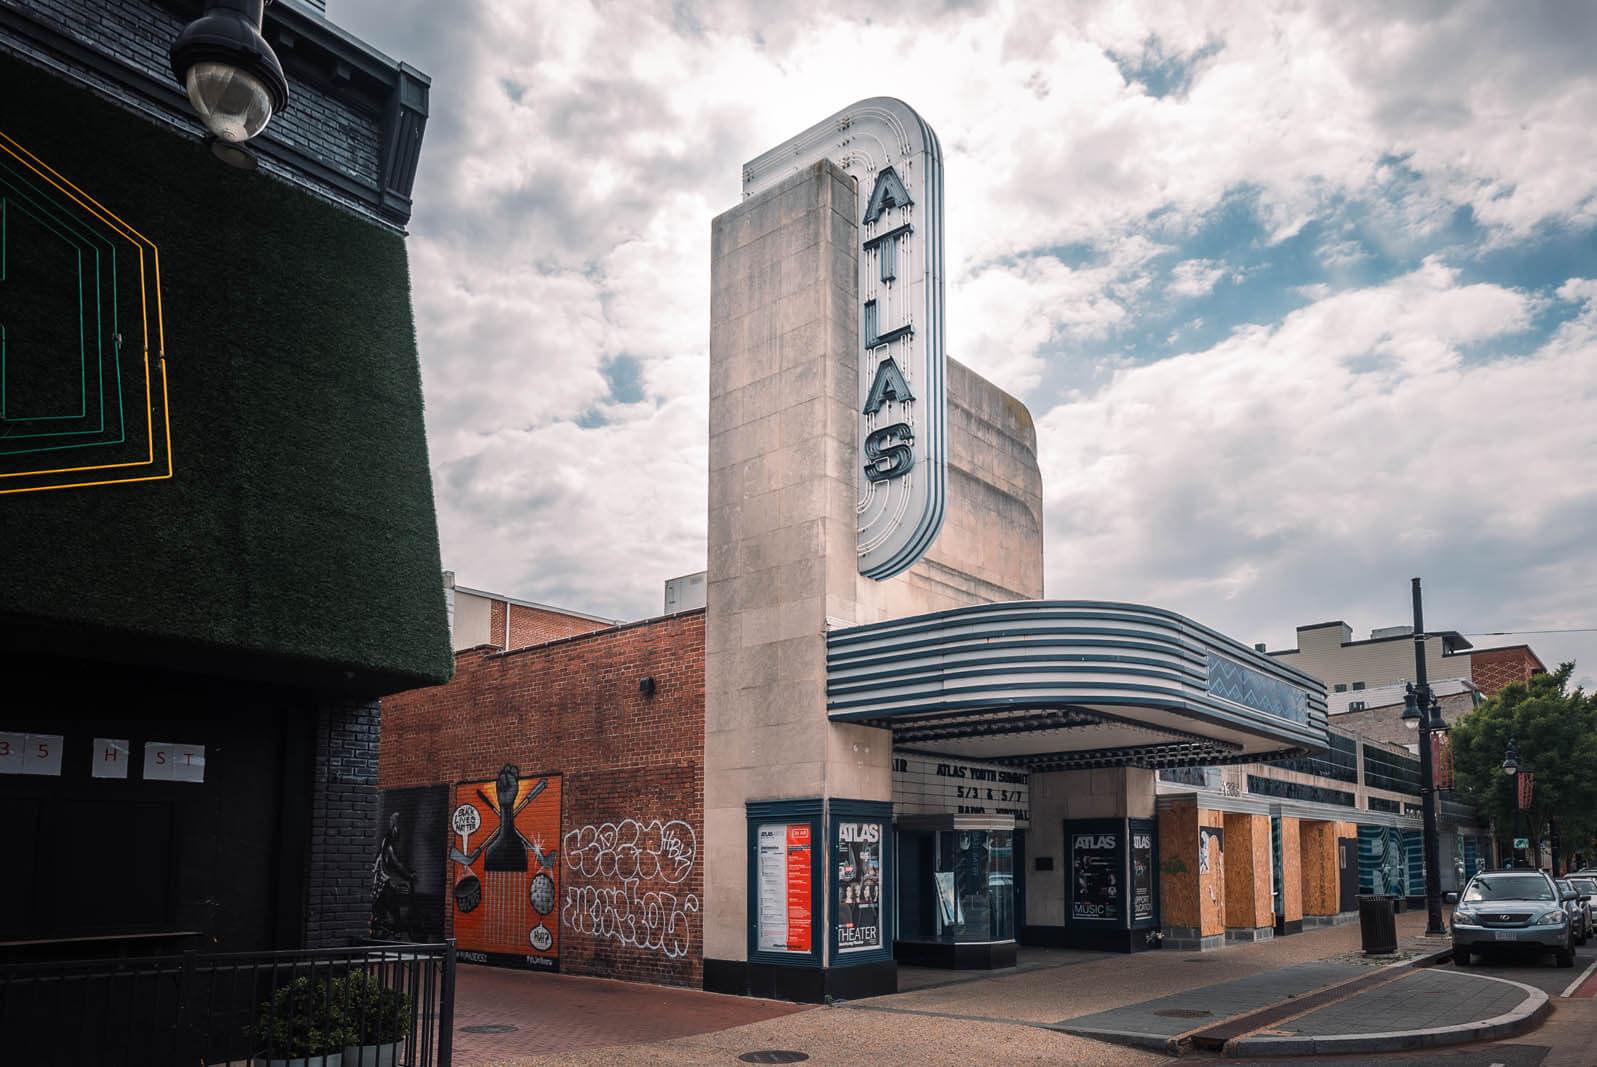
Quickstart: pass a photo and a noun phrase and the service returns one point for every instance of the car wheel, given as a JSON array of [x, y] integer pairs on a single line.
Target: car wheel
[[1566, 956], [1461, 957]]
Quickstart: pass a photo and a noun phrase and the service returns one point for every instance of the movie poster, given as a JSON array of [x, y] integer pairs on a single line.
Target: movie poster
[[859, 885], [504, 863], [1095, 872], [1141, 874]]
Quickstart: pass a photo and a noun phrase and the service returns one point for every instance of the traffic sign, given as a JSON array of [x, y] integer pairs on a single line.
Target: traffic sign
[[1522, 842]]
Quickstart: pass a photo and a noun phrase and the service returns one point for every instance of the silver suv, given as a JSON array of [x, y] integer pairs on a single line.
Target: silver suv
[[1512, 910]]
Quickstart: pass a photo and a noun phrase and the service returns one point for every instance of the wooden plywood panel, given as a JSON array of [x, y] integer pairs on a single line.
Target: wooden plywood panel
[[1291, 871], [1211, 872], [1178, 866], [1321, 884]]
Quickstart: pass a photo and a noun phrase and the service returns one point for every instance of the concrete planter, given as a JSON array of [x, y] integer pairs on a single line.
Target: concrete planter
[[373, 1055]]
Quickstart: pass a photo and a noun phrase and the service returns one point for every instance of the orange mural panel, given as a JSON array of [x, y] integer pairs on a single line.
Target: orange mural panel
[[505, 868]]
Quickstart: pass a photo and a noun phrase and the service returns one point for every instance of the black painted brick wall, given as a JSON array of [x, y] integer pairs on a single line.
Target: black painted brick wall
[[138, 33], [343, 818]]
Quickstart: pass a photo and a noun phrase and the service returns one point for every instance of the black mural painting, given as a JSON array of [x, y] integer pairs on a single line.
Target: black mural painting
[[407, 872]]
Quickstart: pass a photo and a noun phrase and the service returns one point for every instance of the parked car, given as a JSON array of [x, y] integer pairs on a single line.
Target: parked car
[[1579, 908], [1513, 910], [1586, 886]]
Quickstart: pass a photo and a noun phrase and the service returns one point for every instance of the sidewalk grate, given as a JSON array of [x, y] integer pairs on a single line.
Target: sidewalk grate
[[774, 1055], [1214, 1038]]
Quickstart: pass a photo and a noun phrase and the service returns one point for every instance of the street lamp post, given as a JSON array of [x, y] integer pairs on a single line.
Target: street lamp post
[[1511, 768], [1420, 709]]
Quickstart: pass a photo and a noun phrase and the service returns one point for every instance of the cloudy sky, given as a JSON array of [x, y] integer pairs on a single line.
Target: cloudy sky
[[1302, 296]]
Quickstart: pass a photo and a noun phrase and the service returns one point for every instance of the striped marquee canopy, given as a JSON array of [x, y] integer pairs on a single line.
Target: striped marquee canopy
[[1062, 685]]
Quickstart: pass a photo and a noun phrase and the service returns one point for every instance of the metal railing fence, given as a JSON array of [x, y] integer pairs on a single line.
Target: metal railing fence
[[390, 1005]]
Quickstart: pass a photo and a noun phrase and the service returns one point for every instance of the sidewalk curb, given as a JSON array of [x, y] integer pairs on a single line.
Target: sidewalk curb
[[1512, 1023], [1182, 1044]]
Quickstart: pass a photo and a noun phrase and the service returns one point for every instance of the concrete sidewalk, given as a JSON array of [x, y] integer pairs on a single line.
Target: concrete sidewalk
[[1343, 1004], [1057, 1006]]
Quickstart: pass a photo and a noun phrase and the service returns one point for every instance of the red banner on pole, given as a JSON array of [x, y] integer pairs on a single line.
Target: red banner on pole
[[1442, 759], [1525, 786]]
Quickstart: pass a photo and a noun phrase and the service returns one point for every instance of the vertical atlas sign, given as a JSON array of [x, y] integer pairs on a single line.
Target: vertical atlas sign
[[903, 438]]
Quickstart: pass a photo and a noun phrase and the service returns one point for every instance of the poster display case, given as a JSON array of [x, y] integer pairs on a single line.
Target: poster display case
[[785, 869], [956, 890], [860, 839], [1112, 881]]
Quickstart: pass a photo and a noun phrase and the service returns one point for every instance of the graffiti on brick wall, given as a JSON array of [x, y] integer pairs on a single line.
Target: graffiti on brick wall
[[633, 870]]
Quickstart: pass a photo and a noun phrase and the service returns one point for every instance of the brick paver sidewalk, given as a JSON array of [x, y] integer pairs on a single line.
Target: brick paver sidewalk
[[550, 1013]]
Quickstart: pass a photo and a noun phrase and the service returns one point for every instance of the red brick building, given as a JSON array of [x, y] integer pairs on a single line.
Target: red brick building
[[612, 722], [1493, 668]]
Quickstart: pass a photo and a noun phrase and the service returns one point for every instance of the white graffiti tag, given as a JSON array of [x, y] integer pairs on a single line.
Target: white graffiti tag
[[639, 911], [653, 920], [632, 849]]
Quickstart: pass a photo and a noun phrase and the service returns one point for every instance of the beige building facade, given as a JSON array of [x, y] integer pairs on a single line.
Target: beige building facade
[[1328, 651], [934, 763]]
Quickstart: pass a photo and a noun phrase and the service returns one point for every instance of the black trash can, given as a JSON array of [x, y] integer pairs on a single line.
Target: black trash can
[[1377, 926]]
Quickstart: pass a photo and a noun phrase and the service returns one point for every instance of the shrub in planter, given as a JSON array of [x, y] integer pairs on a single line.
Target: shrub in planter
[[301, 1021], [374, 1014]]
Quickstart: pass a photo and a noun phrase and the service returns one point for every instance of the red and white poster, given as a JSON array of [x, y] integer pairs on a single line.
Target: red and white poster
[[782, 866], [798, 887]]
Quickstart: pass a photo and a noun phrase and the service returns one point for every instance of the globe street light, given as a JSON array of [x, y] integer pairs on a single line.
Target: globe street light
[[1511, 768], [231, 74]]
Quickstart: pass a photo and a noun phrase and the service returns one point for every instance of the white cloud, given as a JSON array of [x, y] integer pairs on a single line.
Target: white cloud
[[1304, 470], [1195, 277], [1299, 468]]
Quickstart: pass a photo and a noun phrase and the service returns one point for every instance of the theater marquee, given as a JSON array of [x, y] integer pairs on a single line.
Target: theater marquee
[[901, 471]]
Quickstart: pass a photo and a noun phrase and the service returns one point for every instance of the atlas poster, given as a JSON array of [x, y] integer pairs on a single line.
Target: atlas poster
[[504, 864]]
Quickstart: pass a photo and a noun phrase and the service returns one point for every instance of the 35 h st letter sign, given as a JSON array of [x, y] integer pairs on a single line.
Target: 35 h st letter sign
[[903, 410]]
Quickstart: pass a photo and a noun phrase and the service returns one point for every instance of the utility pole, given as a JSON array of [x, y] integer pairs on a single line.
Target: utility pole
[[1429, 720]]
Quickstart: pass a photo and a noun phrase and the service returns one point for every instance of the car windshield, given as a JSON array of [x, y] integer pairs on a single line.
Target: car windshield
[[1584, 885], [1509, 887]]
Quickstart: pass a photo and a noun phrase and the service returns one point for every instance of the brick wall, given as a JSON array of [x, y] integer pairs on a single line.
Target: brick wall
[[572, 707], [343, 818], [137, 35], [1385, 723], [532, 626], [1494, 668], [496, 625]]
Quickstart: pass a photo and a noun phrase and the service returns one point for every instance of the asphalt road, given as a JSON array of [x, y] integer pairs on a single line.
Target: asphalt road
[[1537, 970]]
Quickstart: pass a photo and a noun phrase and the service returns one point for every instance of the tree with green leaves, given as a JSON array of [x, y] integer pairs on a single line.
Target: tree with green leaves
[[1555, 731]]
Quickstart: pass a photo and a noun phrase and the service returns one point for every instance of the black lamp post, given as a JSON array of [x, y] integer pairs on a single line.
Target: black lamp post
[[231, 74], [1420, 709], [1511, 767]]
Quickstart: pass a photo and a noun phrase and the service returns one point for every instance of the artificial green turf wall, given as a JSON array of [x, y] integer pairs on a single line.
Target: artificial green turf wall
[[297, 537]]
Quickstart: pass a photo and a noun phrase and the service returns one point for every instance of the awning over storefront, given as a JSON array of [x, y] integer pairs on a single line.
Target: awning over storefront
[[1061, 685]]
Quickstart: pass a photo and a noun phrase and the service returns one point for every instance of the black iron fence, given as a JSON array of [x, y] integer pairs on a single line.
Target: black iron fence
[[388, 1005]]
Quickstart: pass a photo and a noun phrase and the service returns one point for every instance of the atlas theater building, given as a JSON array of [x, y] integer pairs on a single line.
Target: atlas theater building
[[875, 743]]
